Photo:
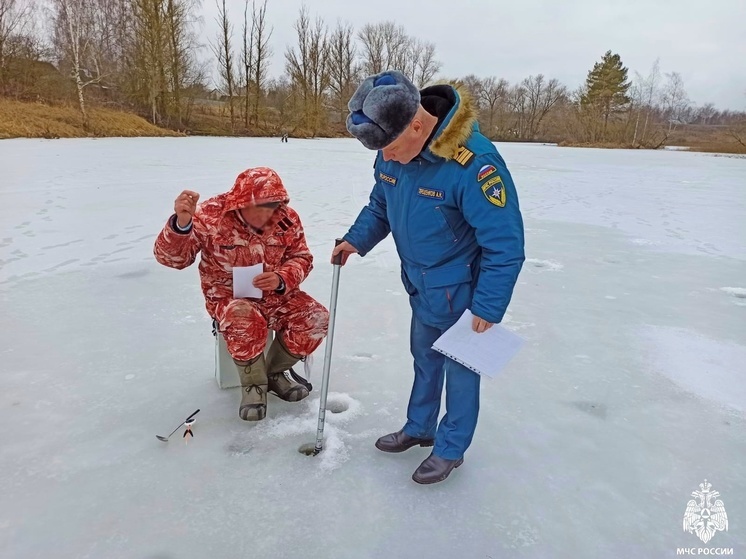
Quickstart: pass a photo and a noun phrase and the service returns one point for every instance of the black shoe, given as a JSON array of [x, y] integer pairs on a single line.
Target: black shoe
[[400, 441], [435, 469]]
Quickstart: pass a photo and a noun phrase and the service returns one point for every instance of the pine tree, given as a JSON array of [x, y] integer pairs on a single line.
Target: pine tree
[[605, 91]]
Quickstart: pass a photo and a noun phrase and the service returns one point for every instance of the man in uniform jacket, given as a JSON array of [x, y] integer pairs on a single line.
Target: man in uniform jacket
[[445, 194]]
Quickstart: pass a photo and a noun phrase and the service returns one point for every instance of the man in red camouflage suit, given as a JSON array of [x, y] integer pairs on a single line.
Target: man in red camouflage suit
[[249, 225]]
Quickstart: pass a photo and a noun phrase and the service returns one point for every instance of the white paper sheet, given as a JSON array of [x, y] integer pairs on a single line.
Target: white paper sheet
[[487, 353], [242, 281]]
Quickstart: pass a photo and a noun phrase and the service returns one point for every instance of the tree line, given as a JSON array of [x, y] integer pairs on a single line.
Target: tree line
[[146, 56]]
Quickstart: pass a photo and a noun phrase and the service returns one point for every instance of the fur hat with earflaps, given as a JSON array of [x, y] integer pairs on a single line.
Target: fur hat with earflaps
[[382, 108]]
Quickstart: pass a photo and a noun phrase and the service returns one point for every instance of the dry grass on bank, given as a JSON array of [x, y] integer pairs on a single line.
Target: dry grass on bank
[[36, 120]]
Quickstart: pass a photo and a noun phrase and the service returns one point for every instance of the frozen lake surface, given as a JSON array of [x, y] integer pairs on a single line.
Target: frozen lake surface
[[629, 393]]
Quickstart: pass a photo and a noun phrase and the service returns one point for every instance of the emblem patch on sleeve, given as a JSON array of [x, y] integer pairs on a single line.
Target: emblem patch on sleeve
[[485, 172], [494, 191], [387, 178]]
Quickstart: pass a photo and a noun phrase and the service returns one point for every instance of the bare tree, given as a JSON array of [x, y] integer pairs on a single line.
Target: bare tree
[[155, 45], [386, 46], [415, 47], [262, 55], [112, 35], [255, 58], [140, 52], [650, 93], [297, 63], [426, 66], [194, 71], [75, 30], [738, 133], [738, 130], [280, 98], [518, 103], [637, 94], [494, 94], [488, 97], [373, 52], [224, 53], [19, 39], [308, 68], [675, 100], [343, 72], [149, 45], [14, 19], [247, 56], [397, 43], [706, 112], [180, 45], [541, 96], [473, 85]]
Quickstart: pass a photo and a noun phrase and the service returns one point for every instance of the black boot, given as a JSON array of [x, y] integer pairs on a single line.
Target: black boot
[[435, 469], [400, 441]]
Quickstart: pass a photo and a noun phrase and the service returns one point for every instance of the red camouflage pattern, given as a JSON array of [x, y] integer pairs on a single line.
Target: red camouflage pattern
[[225, 241]]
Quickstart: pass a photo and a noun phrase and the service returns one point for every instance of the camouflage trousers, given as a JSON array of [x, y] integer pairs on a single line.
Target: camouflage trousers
[[298, 318]]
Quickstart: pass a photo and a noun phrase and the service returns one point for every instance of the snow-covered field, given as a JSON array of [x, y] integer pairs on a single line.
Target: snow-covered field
[[629, 393]]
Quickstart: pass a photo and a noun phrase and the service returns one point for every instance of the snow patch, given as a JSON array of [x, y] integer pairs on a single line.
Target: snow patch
[[335, 451], [536, 265], [361, 357], [645, 242], [738, 292], [705, 367]]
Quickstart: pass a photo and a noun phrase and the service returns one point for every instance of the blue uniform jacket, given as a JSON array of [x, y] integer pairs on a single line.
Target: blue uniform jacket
[[456, 222]]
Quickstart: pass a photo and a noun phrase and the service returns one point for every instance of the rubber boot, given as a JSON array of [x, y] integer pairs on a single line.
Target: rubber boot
[[281, 376], [253, 376]]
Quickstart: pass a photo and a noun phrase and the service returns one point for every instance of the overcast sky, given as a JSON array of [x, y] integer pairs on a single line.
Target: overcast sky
[[704, 41]]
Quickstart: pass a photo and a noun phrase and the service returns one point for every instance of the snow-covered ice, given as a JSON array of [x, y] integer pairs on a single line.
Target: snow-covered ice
[[630, 390]]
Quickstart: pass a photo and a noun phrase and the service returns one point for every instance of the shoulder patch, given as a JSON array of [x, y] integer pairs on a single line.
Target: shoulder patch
[[463, 156], [387, 178], [285, 223], [494, 191], [485, 172]]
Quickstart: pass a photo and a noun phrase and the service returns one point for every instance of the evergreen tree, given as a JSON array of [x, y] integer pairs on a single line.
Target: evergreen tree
[[605, 91]]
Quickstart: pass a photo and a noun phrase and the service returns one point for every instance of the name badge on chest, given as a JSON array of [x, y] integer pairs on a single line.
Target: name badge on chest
[[431, 193]]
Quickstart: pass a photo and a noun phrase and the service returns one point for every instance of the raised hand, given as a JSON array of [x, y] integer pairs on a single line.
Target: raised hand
[[185, 205]]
